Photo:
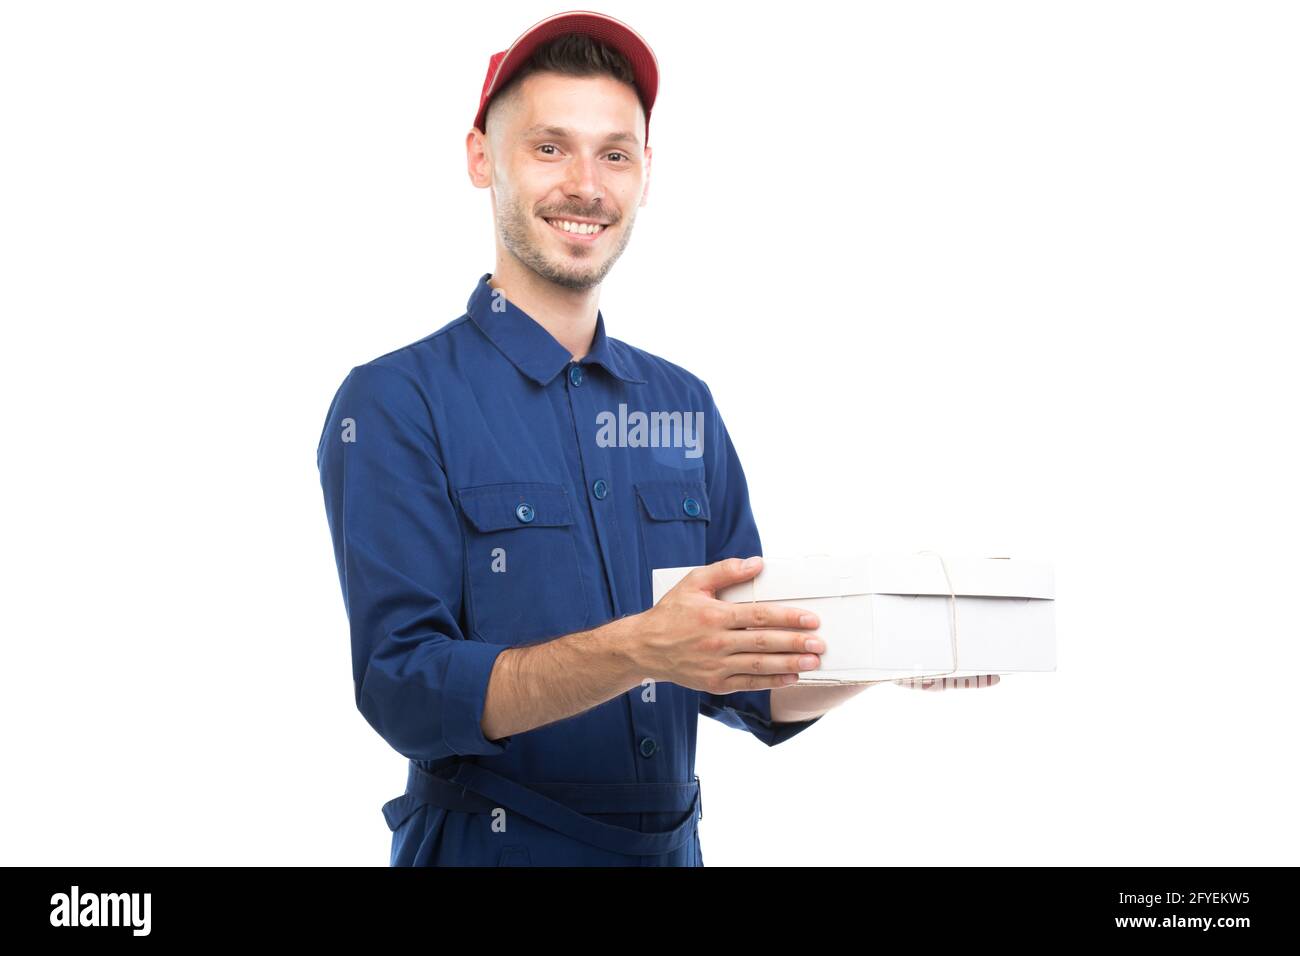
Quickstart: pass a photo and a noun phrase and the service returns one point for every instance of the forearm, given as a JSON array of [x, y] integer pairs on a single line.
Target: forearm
[[798, 703], [538, 684]]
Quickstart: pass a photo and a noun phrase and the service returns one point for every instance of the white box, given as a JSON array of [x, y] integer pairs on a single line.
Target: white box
[[890, 616]]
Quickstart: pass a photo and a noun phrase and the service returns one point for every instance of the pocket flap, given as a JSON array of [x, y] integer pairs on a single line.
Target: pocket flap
[[516, 504], [682, 499]]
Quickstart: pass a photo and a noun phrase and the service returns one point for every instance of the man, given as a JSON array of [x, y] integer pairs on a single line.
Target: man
[[496, 513]]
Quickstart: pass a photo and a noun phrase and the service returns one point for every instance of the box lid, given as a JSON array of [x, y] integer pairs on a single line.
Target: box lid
[[783, 579]]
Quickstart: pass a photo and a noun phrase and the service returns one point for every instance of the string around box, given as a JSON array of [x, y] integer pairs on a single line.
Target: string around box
[[952, 632]]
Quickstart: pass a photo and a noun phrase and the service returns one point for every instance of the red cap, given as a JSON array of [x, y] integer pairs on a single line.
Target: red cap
[[502, 66]]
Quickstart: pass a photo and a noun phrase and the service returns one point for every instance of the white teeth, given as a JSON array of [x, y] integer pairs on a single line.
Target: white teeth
[[581, 228]]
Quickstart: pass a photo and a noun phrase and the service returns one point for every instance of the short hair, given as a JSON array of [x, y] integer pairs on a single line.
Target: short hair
[[572, 54]]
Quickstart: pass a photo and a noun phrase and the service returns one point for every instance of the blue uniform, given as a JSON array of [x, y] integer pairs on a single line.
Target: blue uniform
[[485, 491]]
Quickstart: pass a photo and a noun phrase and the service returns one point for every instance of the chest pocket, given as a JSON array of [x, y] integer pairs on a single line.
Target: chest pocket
[[674, 521], [525, 582]]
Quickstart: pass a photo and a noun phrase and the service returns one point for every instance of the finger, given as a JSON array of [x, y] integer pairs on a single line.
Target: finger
[[770, 615], [743, 682], [920, 683], [721, 573], [771, 663], [773, 641]]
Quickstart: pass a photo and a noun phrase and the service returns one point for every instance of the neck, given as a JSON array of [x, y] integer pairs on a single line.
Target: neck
[[568, 314]]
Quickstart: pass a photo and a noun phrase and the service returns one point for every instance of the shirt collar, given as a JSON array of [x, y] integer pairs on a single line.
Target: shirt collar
[[532, 349]]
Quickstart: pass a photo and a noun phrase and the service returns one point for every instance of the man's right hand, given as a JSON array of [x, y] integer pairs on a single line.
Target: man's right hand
[[692, 639]]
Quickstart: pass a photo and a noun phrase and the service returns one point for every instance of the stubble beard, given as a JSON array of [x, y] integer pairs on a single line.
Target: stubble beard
[[513, 225]]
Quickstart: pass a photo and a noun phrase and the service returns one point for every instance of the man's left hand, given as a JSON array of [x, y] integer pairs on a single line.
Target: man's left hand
[[946, 683]]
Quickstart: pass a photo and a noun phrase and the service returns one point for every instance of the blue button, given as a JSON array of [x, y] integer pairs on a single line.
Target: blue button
[[601, 488], [575, 374], [524, 512], [648, 747], [691, 507]]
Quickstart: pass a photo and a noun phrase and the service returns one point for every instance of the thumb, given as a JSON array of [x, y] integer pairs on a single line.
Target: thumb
[[711, 577]]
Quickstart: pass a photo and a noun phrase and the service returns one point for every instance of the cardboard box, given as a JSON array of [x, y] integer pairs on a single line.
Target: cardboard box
[[886, 617]]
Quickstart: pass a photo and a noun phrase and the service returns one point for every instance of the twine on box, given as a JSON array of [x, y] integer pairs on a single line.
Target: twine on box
[[952, 631]]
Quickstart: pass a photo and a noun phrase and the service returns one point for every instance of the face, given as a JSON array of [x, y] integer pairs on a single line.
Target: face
[[568, 172]]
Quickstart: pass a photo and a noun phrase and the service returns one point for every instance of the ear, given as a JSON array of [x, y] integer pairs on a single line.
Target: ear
[[645, 190], [478, 158]]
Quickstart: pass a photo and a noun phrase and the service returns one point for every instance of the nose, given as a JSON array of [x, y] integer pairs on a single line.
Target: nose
[[583, 182]]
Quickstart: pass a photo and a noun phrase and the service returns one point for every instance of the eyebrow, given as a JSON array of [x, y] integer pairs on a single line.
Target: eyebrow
[[560, 132]]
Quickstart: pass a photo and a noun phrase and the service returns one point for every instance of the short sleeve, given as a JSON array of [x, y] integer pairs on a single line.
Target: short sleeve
[[419, 681], [733, 534]]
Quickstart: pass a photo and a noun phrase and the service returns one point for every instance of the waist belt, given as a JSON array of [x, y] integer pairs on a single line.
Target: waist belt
[[469, 788]]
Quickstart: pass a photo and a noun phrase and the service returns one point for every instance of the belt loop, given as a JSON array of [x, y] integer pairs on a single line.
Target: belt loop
[[701, 795]]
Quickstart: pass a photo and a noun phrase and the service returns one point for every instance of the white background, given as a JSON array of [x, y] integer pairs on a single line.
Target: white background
[[994, 278]]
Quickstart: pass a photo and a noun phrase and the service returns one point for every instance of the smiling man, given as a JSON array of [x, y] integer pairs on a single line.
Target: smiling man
[[495, 553]]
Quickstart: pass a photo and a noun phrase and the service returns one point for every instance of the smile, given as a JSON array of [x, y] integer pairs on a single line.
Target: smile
[[583, 231]]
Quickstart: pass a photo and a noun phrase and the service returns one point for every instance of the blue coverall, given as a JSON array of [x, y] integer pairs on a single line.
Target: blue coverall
[[485, 491]]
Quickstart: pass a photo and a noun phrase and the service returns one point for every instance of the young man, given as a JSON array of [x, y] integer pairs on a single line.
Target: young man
[[496, 512]]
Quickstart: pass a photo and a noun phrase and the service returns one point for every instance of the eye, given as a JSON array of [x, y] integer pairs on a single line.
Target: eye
[[624, 155], [548, 146]]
